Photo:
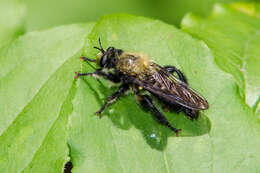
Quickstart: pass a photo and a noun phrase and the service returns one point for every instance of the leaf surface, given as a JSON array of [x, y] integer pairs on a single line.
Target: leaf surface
[[12, 20], [36, 88], [234, 37], [127, 139]]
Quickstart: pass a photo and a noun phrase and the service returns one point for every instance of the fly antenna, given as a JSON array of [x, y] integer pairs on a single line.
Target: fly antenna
[[99, 41], [100, 45]]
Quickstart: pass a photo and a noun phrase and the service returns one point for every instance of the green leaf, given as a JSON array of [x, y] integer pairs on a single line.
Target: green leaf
[[127, 139], [252, 9], [46, 13], [37, 86], [12, 20], [234, 37]]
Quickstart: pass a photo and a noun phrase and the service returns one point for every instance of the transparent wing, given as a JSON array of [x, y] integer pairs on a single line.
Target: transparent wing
[[162, 83]]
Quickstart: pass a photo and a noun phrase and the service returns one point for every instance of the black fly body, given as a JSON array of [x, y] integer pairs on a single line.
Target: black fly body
[[135, 71]]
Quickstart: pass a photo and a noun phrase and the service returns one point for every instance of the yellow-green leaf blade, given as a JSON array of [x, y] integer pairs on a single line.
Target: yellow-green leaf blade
[[12, 20], [36, 89], [127, 139], [234, 37]]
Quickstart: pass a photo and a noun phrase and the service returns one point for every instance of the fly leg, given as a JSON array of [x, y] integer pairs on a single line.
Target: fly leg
[[173, 69], [147, 102], [123, 88], [174, 107], [83, 58], [110, 76], [191, 113], [166, 106]]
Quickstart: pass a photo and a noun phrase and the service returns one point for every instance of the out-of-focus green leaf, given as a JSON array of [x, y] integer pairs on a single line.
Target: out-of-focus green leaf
[[172, 11], [127, 139], [46, 13], [12, 20], [234, 37], [36, 89], [252, 9]]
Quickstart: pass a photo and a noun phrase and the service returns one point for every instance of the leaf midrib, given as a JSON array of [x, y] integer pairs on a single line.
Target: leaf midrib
[[49, 130], [52, 124], [37, 90]]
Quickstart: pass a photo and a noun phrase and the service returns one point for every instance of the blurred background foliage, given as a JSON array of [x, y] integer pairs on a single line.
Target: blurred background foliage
[[43, 14], [12, 20]]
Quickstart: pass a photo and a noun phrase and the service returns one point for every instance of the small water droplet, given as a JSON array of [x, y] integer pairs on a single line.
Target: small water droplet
[[153, 135], [111, 111]]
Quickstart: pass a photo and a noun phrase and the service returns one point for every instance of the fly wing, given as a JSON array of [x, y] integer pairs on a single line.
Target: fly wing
[[163, 84]]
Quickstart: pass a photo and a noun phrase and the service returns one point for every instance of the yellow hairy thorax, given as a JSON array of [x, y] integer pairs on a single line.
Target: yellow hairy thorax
[[133, 63]]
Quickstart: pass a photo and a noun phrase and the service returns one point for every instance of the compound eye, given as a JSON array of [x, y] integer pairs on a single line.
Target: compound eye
[[103, 61], [110, 49], [113, 60]]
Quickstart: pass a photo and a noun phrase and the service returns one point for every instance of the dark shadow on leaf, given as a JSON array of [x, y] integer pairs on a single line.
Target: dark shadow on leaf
[[126, 113], [155, 134]]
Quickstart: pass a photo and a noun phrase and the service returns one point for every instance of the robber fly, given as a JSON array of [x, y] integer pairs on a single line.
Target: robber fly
[[147, 80]]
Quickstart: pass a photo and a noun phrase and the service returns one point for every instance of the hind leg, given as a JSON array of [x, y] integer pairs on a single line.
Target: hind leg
[[191, 113], [147, 102], [173, 69]]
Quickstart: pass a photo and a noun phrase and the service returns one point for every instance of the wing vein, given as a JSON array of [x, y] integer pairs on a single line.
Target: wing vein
[[165, 85]]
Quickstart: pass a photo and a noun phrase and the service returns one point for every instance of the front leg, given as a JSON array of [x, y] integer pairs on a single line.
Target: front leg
[[109, 76], [83, 58], [147, 102], [123, 88]]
